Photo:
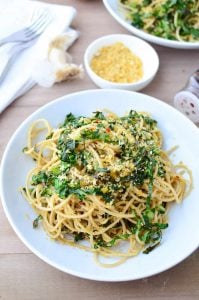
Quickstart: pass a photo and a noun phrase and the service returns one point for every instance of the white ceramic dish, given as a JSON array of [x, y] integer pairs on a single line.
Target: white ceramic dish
[[139, 47], [179, 240], [113, 8]]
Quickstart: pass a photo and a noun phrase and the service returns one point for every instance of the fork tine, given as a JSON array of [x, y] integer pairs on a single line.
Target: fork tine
[[39, 28], [43, 25], [37, 19], [31, 31]]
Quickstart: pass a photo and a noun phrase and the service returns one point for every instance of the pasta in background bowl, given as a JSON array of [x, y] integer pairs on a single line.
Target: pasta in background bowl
[[120, 14], [179, 239]]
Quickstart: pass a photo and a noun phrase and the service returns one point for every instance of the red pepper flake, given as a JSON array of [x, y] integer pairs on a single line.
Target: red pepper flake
[[108, 130]]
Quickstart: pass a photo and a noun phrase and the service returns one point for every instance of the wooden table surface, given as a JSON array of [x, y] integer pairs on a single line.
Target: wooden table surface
[[25, 276]]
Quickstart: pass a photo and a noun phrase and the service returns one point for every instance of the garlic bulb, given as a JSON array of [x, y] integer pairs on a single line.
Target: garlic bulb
[[57, 66]]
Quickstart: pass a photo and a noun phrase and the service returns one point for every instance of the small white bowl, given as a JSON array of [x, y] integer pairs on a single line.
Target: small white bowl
[[139, 47]]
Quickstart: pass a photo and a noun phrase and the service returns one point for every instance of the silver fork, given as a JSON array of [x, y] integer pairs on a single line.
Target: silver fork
[[30, 32], [11, 55]]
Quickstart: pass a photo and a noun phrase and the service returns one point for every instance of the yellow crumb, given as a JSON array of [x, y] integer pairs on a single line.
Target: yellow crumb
[[117, 63]]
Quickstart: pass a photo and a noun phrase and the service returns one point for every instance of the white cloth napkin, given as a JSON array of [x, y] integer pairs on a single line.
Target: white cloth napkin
[[14, 15]]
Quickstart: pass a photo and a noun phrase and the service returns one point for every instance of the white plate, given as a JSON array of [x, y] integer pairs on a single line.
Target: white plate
[[179, 240], [116, 12]]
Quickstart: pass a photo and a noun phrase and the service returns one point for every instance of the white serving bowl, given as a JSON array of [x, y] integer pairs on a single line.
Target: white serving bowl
[[114, 8], [139, 47], [179, 240]]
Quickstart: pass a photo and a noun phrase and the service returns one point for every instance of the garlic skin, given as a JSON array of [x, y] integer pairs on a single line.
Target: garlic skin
[[57, 66], [69, 71]]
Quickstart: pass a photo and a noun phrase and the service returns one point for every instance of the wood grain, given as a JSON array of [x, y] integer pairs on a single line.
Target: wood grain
[[22, 274]]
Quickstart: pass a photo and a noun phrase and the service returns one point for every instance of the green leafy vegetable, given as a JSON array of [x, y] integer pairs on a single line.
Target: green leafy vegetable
[[111, 243], [95, 135], [151, 248], [36, 221], [41, 177], [99, 115], [49, 136], [25, 149], [79, 236]]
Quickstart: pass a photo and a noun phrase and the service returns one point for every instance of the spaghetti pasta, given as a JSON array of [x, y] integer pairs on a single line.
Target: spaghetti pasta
[[104, 180], [170, 19]]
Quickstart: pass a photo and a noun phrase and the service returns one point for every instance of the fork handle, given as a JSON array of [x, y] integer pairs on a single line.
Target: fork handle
[[9, 60], [5, 65], [12, 38], [3, 41]]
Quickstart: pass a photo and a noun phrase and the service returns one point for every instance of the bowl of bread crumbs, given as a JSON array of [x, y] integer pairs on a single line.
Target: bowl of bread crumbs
[[121, 61]]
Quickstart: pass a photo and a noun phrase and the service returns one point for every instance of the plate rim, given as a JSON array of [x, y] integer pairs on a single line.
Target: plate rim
[[149, 37], [28, 244]]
